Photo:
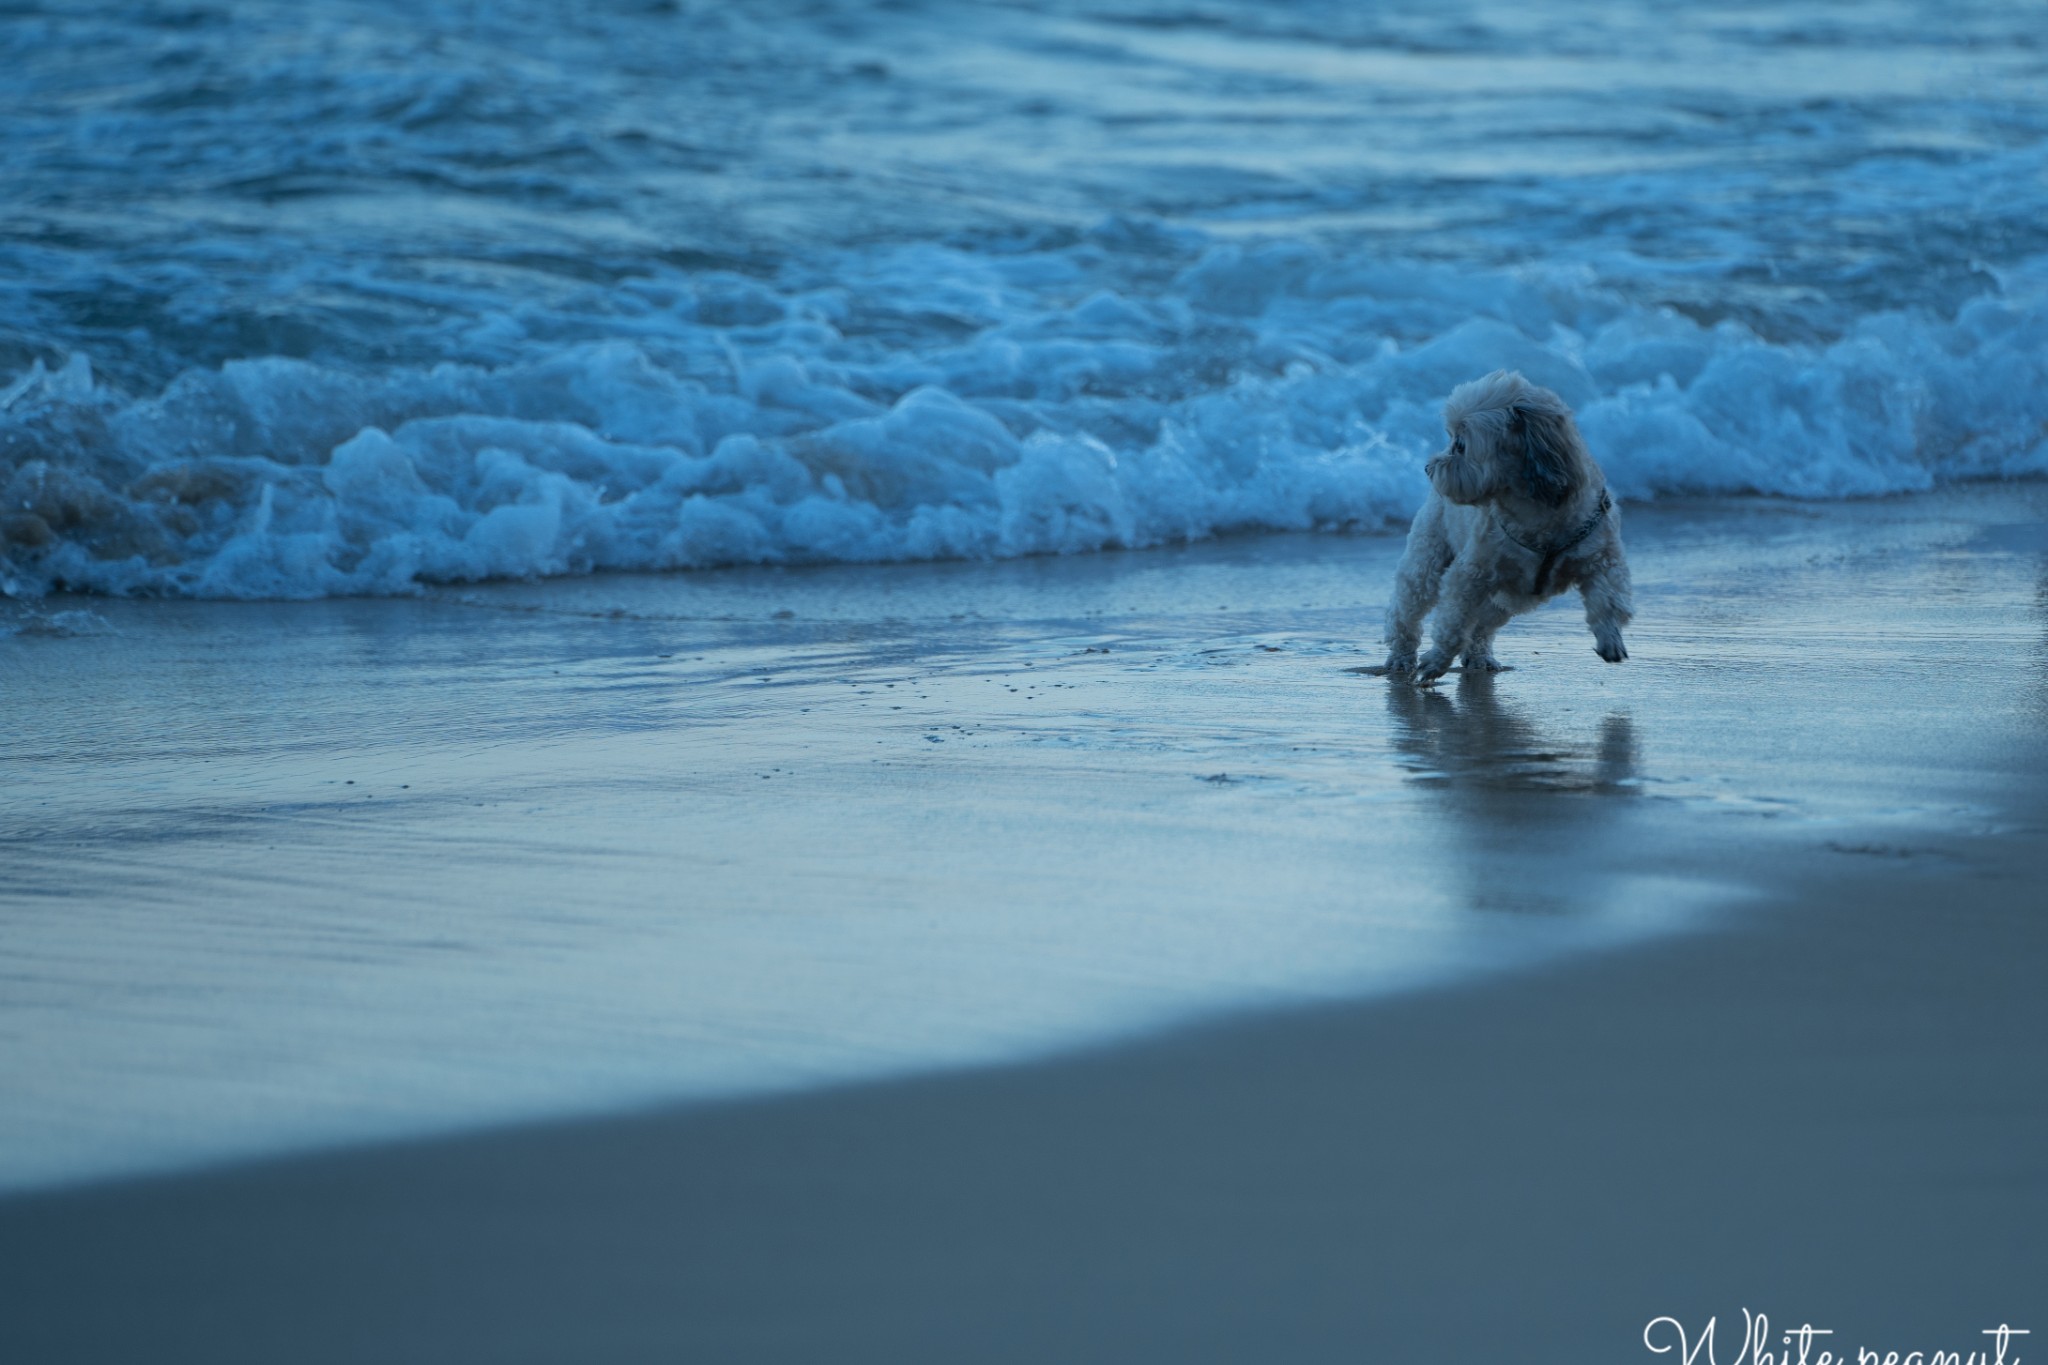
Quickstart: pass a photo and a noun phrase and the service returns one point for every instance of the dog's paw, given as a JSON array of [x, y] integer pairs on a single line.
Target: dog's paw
[[1485, 663], [1399, 664], [1607, 644], [1431, 666]]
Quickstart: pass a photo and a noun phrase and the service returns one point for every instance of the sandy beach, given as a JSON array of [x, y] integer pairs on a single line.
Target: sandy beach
[[1830, 1113], [1141, 985]]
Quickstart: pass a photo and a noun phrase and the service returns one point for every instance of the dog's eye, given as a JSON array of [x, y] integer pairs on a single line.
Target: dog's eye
[[1457, 447]]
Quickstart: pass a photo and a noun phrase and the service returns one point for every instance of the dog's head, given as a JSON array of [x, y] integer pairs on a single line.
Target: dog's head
[[1509, 438]]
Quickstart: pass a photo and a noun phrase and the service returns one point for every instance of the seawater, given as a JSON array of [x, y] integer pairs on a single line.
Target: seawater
[[352, 296]]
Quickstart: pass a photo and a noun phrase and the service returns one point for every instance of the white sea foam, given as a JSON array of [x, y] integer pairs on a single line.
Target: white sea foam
[[347, 296], [736, 421]]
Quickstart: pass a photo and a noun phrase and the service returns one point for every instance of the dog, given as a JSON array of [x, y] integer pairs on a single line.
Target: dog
[[1518, 513]]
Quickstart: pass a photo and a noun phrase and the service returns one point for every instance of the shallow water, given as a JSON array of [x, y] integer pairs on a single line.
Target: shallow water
[[286, 876], [346, 297]]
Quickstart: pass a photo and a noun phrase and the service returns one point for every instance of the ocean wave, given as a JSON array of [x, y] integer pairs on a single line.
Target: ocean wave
[[925, 401]]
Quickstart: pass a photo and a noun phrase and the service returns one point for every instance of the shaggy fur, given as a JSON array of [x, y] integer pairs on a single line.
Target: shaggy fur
[[1510, 492]]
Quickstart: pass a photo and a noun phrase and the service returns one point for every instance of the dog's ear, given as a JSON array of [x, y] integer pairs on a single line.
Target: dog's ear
[[1547, 463]]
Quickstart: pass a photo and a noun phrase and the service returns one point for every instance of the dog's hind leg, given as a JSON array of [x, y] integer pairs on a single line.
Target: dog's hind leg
[[1416, 584], [1609, 607], [1479, 645], [1467, 602]]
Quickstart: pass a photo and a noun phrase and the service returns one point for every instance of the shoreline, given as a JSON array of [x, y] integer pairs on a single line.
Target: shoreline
[[296, 877]]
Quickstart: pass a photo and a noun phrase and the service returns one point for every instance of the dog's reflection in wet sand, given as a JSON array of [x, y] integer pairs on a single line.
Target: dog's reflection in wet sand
[[1479, 741], [1512, 788]]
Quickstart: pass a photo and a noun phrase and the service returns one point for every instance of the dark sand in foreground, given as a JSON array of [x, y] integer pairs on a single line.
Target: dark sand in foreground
[[1835, 1112]]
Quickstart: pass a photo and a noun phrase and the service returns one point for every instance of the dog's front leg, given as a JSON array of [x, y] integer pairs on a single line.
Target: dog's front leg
[[1467, 599], [1609, 607], [1416, 584]]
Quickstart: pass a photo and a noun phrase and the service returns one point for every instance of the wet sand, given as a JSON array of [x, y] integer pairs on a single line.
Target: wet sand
[[1759, 1025]]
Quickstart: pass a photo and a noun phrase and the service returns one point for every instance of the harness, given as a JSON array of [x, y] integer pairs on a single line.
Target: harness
[[1549, 558]]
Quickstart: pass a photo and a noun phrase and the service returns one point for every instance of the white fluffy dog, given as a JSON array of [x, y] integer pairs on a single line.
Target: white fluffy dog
[[1519, 513]]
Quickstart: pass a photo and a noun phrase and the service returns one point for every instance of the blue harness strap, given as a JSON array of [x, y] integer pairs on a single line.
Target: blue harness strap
[[1550, 557]]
